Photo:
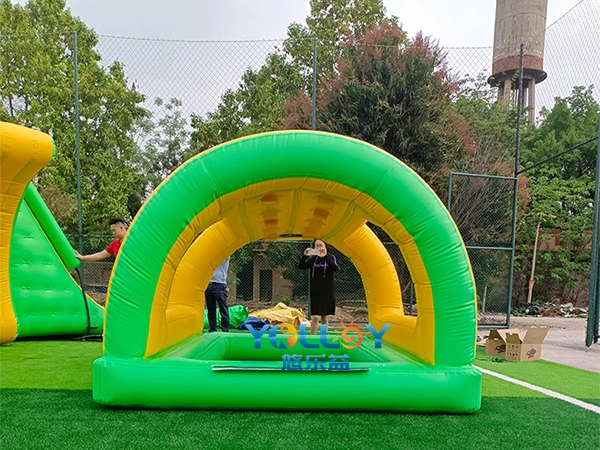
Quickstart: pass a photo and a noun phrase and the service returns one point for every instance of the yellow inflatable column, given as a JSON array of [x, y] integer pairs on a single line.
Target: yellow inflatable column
[[181, 312], [23, 152]]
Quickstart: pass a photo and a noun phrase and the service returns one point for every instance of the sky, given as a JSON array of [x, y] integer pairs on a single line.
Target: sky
[[459, 23]]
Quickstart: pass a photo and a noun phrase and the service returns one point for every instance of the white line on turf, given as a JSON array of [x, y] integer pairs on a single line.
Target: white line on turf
[[547, 392]]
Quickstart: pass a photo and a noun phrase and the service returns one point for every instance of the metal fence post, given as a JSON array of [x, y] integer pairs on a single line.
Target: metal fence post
[[77, 144], [593, 307], [314, 127], [314, 86], [516, 189]]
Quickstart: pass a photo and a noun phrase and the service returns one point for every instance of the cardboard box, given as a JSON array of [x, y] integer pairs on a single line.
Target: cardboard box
[[496, 342], [528, 348]]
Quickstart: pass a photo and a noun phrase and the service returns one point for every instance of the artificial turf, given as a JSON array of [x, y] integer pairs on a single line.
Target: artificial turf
[[46, 402], [48, 364], [581, 384]]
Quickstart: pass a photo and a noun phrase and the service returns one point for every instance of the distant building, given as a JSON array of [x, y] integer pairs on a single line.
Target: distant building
[[519, 22], [258, 281]]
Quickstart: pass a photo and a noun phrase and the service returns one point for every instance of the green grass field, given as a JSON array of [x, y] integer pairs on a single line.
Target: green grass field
[[46, 403]]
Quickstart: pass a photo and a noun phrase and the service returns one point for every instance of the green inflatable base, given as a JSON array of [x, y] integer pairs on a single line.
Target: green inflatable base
[[225, 371]]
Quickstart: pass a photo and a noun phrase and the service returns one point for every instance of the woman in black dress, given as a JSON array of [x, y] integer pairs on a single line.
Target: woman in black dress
[[322, 298]]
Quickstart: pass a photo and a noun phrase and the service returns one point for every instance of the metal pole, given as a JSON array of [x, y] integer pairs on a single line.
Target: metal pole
[[482, 175], [593, 307], [519, 108], [516, 189], [78, 172], [314, 86], [77, 144], [309, 308], [314, 127]]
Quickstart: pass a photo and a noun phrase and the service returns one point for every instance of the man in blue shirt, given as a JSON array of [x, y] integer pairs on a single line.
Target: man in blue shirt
[[216, 293]]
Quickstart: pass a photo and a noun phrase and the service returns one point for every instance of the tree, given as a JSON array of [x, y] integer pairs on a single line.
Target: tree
[[36, 86], [572, 120], [490, 127], [482, 207], [255, 107], [562, 195], [62, 206], [163, 144], [330, 22], [394, 93]]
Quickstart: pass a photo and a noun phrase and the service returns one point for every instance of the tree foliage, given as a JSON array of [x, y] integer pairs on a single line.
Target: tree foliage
[[256, 106], [482, 207], [394, 93], [562, 193], [374, 83], [490, 126], [330, 22], [162, 142], [36, 87]]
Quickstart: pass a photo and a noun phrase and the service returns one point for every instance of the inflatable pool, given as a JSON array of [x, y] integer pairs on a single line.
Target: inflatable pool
[[274, 186]]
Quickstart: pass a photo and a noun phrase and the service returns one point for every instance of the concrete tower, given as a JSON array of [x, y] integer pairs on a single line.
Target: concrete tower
[[519, 22]]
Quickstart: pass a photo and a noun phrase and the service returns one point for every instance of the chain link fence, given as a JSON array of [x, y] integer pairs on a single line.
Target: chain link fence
[[263, 274], [196, 73], [96, 274], [482, 207], [571, 54], [572, 59], [194, 78]]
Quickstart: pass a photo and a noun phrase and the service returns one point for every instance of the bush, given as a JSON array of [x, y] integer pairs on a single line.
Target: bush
[[527, 309]]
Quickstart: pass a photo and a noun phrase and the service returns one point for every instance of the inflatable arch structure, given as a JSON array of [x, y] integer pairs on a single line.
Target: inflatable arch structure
[[38, 296], [275, 186]]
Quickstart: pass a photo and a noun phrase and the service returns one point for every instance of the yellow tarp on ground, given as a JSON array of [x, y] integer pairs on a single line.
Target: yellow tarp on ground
[[281, 313]]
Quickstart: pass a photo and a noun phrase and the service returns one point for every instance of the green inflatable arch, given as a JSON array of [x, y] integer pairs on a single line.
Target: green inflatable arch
[[207, 209]]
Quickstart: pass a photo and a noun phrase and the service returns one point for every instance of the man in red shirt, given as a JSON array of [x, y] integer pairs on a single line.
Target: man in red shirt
[[118, 228]]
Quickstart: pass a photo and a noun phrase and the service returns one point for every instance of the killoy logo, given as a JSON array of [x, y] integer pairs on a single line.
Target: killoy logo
[[349, 337]]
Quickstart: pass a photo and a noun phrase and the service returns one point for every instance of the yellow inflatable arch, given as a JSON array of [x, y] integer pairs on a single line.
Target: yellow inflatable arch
[[272, 186]]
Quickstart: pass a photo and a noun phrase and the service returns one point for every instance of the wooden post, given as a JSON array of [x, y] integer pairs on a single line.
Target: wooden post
[[531, 280], [484, 298]]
